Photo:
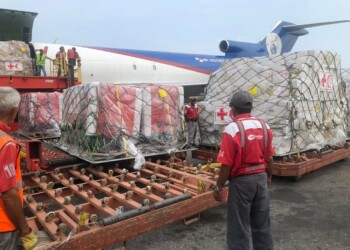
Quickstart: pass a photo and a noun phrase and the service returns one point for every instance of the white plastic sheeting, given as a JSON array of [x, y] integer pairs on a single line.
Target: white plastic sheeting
[[39, 115], [15, 59], [298, 94], [104, 122]]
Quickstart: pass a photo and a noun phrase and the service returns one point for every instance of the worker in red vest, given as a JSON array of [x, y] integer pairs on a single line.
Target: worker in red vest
[[13, 224], [73, 57], [191, 117], [245, 154]]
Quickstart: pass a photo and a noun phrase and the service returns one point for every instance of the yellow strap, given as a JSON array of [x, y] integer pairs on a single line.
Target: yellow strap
[[79, 73], [163, 96]]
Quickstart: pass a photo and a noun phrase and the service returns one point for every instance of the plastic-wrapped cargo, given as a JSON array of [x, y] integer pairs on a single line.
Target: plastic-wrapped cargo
[[104, 122], [15, 59], [162, 115], [298, 94], [79, 109], [80, 124], [39, 115], [345, 73], [120, 110]]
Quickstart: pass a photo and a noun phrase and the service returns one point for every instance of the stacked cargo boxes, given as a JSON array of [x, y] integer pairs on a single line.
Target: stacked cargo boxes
[[298, 94], [15, 59], [105, 121], [162, 119], [79, 109], [39, 115], [345, 73]]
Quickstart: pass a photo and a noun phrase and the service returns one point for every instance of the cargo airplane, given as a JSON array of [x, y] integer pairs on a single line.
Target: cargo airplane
[[126, 66]]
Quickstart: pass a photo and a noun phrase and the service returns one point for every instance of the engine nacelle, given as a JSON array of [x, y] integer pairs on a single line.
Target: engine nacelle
[[234, 47]]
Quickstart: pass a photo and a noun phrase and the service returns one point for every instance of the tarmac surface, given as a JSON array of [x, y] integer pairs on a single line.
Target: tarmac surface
[[312, 214]]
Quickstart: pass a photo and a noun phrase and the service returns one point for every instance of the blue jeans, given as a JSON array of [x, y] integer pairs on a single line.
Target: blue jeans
[[39, 69], [248, 215]]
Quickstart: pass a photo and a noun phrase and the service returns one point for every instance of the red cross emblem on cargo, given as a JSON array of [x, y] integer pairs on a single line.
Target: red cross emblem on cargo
[[222, 115], [13, 66], [325, 80]]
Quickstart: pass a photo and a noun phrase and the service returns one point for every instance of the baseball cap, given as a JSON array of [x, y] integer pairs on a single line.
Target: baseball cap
[[241, 99]]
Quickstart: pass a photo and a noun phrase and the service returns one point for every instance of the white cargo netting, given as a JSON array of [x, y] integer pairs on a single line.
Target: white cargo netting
[[39, 115], [299, 95], [345, 73], [15, 59], [104, 122]]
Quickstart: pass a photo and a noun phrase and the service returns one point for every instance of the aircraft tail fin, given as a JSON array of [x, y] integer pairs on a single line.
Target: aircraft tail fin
[[284, 35]]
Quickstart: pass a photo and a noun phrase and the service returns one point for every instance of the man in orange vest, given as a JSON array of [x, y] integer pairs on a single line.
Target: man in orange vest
[[13, 224]]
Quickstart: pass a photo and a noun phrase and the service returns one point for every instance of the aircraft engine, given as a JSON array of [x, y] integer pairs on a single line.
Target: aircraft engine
[[233, 47]]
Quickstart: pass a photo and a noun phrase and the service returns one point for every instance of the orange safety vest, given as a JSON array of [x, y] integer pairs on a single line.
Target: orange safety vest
[[6, 224]]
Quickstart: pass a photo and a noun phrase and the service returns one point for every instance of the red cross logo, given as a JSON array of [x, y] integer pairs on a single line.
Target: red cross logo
[[11, 66], [222, 114], [325, 81]]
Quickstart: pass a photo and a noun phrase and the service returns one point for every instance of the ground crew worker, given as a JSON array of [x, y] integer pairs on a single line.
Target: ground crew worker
[[191, 117], [61, 62], [73, 57], [40, 62], [13, 224], [245, 152]]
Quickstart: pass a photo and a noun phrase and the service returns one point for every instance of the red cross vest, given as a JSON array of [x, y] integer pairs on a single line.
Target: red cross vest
[[245, 169]]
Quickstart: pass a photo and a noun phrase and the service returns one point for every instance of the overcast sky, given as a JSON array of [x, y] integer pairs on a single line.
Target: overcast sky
[[188, 26]]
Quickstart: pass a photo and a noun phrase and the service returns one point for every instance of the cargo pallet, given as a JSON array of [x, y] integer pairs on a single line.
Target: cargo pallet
[[294, 165], [299, 164]]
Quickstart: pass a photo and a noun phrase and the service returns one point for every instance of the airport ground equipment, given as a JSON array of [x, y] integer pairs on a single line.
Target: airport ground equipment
[[74, 204]]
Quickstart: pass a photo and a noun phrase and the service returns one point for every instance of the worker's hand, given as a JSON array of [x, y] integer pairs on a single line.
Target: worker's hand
[[29, 241], [218, 196]]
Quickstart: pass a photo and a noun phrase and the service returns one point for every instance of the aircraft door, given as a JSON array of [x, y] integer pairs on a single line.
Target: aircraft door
[[16, 25]]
